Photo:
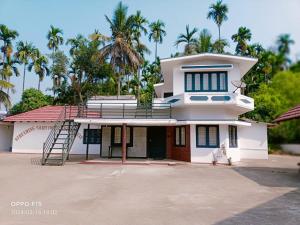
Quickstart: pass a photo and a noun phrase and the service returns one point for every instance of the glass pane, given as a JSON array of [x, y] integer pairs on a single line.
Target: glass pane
[[212, 136], [177, 138], [117, 135], [205, 82], [182, 135], [201, 136], [214, 82], [197, 82], [222, 81], [189, 85], [128, 135]]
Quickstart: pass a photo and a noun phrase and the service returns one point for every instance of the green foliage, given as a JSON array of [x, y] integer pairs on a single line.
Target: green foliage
[[31, 99], [277, 97]]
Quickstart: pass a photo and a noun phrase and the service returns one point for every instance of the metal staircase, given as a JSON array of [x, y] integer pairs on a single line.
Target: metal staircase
[[57, 147]]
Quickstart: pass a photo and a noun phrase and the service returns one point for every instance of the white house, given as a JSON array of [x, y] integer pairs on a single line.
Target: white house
[[194, 118]]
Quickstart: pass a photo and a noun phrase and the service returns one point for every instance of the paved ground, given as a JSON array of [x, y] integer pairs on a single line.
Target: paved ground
[[253, 192]]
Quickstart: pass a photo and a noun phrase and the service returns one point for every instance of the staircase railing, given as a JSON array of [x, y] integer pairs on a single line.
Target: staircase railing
[[48, 144], [66, 147]]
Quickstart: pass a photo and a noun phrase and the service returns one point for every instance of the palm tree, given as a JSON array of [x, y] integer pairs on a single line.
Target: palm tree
[[9, 69], [25, 52], [7, 36], [284, 42], [97, 36], [76, 42], [157, 33], [204, 43], [241, 37], [55, 38], [219, 46], [188, 39], [120, 50], [40, 66], [218, 13]]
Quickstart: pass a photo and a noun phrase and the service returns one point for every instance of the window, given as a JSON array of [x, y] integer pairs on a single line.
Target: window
[[92, 136], [232, 131], [206, 82], [116, 136], [207, 136], [179, 136]]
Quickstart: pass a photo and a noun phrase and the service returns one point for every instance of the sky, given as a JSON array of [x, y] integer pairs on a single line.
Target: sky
[[32, 18]]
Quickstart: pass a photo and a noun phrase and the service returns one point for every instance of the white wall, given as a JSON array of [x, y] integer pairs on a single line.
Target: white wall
[[205, 155], [28, 137], [252, 144], [253, 141], [139, 148], [6, 132]]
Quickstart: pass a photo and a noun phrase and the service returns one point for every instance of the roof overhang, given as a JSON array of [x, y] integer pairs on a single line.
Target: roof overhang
[[159, 122], [245, 63], [131, 122], [214, 122]]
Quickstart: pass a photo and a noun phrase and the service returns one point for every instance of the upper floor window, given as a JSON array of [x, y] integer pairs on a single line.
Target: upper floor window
[[206, 81]]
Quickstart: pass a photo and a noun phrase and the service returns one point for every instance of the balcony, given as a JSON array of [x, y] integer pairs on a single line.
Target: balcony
[[128, 110], [208, 99]]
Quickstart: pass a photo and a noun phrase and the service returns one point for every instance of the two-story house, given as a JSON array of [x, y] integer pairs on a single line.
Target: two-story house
[[194, 118]]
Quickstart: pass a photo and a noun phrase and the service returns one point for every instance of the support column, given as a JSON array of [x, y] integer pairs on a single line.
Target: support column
[[87, 145], [124, 142]]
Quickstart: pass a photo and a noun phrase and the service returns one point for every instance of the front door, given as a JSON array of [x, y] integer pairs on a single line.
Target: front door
[[156, 142]]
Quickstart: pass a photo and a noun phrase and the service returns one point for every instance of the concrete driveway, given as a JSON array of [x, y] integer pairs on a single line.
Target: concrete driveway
[[253, 192]]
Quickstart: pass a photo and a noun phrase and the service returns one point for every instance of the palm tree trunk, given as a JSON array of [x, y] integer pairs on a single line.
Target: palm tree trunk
[[39, 84], [24, 73], [138, 86], [219, 47], [119, 85], [155, 50]]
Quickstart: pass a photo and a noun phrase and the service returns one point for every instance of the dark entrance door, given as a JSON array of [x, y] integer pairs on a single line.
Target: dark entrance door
[[156, 142]]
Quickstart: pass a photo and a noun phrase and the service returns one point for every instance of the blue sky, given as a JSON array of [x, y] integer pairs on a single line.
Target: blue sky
[[32, 18]]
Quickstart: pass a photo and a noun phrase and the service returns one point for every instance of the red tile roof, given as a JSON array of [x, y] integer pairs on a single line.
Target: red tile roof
[[289, 115], [44, 114]]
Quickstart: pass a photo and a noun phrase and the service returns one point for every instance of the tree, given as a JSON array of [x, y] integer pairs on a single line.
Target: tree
[[120, 49], [7, 36], [219, 46], [218, 13], [189, 40], [55, 38], [204, 43], [25, 52], [4, 97], [76, 42], [59, 69], [31, 99], [40, 66], [284, 42], [157, 33], [241, 37]]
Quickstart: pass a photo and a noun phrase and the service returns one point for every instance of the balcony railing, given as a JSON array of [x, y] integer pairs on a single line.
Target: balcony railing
[[125, 111]]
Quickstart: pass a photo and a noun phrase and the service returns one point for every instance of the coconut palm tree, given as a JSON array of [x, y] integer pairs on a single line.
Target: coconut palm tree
[[189, 40], [241, 37], [40, 66], [218, 13], [55, 38], [25, 52], [157, 33], [204, 43], [7, 36], [120, 49]]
